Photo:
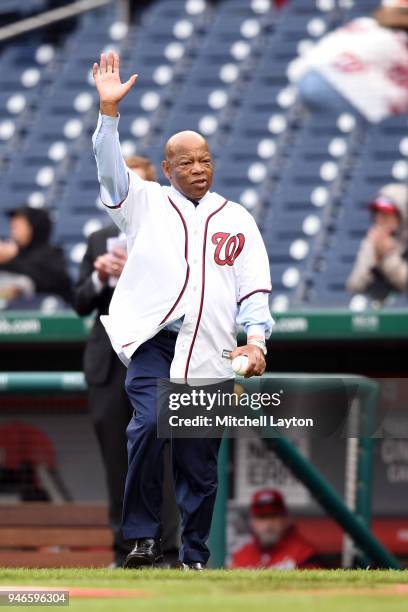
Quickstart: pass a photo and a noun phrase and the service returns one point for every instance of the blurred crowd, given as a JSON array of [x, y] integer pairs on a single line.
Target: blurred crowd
[[361, 67], [381, 265], [29, 263]]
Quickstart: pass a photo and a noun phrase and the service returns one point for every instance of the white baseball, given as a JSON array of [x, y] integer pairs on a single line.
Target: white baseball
[[240, 364]]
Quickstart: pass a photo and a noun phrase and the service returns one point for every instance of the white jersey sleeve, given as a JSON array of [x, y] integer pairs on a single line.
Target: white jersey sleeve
[[123, 192], [254, 274], [128, 213]]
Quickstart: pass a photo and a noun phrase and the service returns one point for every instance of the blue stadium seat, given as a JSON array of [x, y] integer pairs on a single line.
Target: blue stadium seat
[[223, 71]]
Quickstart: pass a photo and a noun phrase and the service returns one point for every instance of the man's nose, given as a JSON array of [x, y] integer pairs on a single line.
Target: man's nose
[[197, 168]]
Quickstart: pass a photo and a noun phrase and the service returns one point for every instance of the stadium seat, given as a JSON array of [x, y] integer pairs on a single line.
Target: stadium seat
[[222, 68]]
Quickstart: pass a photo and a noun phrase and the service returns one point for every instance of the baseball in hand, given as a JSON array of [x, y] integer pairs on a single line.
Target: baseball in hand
[[240, 365]]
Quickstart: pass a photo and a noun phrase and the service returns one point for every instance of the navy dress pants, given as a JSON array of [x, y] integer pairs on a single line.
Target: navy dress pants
[[194, 460]]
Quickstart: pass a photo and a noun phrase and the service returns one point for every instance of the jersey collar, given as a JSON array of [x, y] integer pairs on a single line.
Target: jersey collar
[[209, 202]]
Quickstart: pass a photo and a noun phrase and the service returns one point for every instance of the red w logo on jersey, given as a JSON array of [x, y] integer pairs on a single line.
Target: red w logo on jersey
[[398, 74], [227, 247], [347, 62]]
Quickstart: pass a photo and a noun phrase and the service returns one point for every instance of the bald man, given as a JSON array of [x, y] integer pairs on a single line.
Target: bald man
[[197, 267]]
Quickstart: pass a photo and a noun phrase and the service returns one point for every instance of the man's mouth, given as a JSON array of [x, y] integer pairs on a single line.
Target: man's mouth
[[200, 182]]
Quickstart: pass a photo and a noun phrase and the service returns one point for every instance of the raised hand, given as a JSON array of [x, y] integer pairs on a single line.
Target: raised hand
[[107, 80]]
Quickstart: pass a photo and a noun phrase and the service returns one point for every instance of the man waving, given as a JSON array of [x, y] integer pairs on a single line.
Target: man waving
[[196, 268]]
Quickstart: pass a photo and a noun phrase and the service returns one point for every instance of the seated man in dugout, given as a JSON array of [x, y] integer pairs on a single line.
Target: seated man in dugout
[[275, 541]]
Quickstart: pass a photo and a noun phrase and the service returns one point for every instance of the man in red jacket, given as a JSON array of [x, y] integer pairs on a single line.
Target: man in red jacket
[[276, 542]]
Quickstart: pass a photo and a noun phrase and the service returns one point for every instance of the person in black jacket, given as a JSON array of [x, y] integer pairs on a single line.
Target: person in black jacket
[[105, 375], [29, 264]]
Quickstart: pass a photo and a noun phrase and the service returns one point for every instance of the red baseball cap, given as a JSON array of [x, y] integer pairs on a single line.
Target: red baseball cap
[[384, 205], [268, 502]]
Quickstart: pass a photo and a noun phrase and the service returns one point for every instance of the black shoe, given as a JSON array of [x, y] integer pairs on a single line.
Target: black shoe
[[193, 565], [146, 553]]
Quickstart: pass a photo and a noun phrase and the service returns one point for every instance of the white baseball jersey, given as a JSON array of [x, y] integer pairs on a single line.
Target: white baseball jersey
[[366, 63], [197, 262]]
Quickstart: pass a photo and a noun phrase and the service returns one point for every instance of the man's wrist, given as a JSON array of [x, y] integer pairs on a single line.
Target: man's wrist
[[255, 330], [109, 108], [259, 342]]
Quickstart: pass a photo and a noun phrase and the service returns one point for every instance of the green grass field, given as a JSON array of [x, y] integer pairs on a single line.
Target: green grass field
[[213, 590]]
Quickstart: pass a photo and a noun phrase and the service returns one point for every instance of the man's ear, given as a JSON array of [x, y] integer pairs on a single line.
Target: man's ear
[[166, 169]]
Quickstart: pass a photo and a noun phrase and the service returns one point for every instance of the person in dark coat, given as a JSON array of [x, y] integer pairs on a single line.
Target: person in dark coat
[[29, 263], [105, 375]]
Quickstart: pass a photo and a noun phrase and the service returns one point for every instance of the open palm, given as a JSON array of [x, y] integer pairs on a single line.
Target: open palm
[[107, 79]]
